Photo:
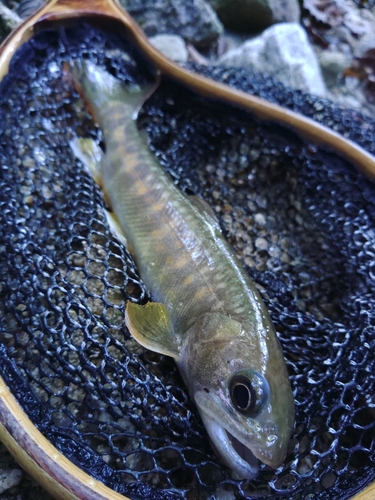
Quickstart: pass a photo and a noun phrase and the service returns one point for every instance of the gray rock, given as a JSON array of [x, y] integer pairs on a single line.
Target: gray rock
[[333, 64], [255, 15], [359, 21], [346, 24], [282, 51], [194, 20], [27, 7], [9, 478], [8, 20], [365, 43], [172, 46]]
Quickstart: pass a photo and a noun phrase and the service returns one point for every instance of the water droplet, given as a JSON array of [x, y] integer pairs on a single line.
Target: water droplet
[[271, 439]]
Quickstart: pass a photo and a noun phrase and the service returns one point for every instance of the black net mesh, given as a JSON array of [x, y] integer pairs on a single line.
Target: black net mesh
[[366, 4], [302, 220]]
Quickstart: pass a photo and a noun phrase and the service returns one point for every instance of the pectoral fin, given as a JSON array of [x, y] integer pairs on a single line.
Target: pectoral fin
[[152, 327]]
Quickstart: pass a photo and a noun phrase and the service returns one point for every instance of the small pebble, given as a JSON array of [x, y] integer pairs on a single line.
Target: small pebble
[[261, 243], [9, 478], [260, 219]]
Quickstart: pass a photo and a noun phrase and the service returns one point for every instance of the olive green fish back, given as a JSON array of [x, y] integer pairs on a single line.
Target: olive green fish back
[[301, 219]]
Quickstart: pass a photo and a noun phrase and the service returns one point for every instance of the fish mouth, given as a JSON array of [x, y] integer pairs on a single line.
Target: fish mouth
[[240, 446], [232, 452]]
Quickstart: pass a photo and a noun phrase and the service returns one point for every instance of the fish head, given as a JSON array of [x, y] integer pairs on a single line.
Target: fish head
[[238, 380]]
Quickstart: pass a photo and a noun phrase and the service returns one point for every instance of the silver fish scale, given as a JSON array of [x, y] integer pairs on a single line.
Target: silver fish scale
[[303, 222]]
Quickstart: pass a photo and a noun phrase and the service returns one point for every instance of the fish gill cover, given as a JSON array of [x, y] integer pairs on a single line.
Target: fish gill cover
[[301, 219]]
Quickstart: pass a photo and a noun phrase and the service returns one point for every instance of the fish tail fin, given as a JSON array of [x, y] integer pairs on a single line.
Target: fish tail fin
[[97, 87]]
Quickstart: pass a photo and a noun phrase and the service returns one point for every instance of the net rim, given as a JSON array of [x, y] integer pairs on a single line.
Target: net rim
[[50, 468], [69, 479]]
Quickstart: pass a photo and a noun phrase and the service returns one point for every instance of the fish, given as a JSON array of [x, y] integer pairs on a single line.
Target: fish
[[205, 311]]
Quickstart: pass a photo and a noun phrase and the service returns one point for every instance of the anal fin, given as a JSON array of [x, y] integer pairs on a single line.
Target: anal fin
[[92, 157], [90, 154], [116, 229]]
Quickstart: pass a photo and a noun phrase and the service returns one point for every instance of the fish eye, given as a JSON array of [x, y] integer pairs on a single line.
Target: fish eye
[[248, 392]]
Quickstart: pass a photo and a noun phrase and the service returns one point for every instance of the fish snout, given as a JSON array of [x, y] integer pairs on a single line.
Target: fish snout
[[273, 446]]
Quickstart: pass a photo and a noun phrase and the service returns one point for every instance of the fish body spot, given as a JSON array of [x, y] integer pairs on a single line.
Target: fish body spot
[[188, 280], [200, 294], [180, 262], [158, 206], [140, 188], [159, 247], [159, 232]]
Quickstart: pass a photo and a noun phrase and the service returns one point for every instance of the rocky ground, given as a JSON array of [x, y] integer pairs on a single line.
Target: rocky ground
[[323, 47], [15, 483]]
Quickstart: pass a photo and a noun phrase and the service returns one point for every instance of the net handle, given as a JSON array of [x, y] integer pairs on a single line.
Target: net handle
[[314, 132], [366, 494]]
